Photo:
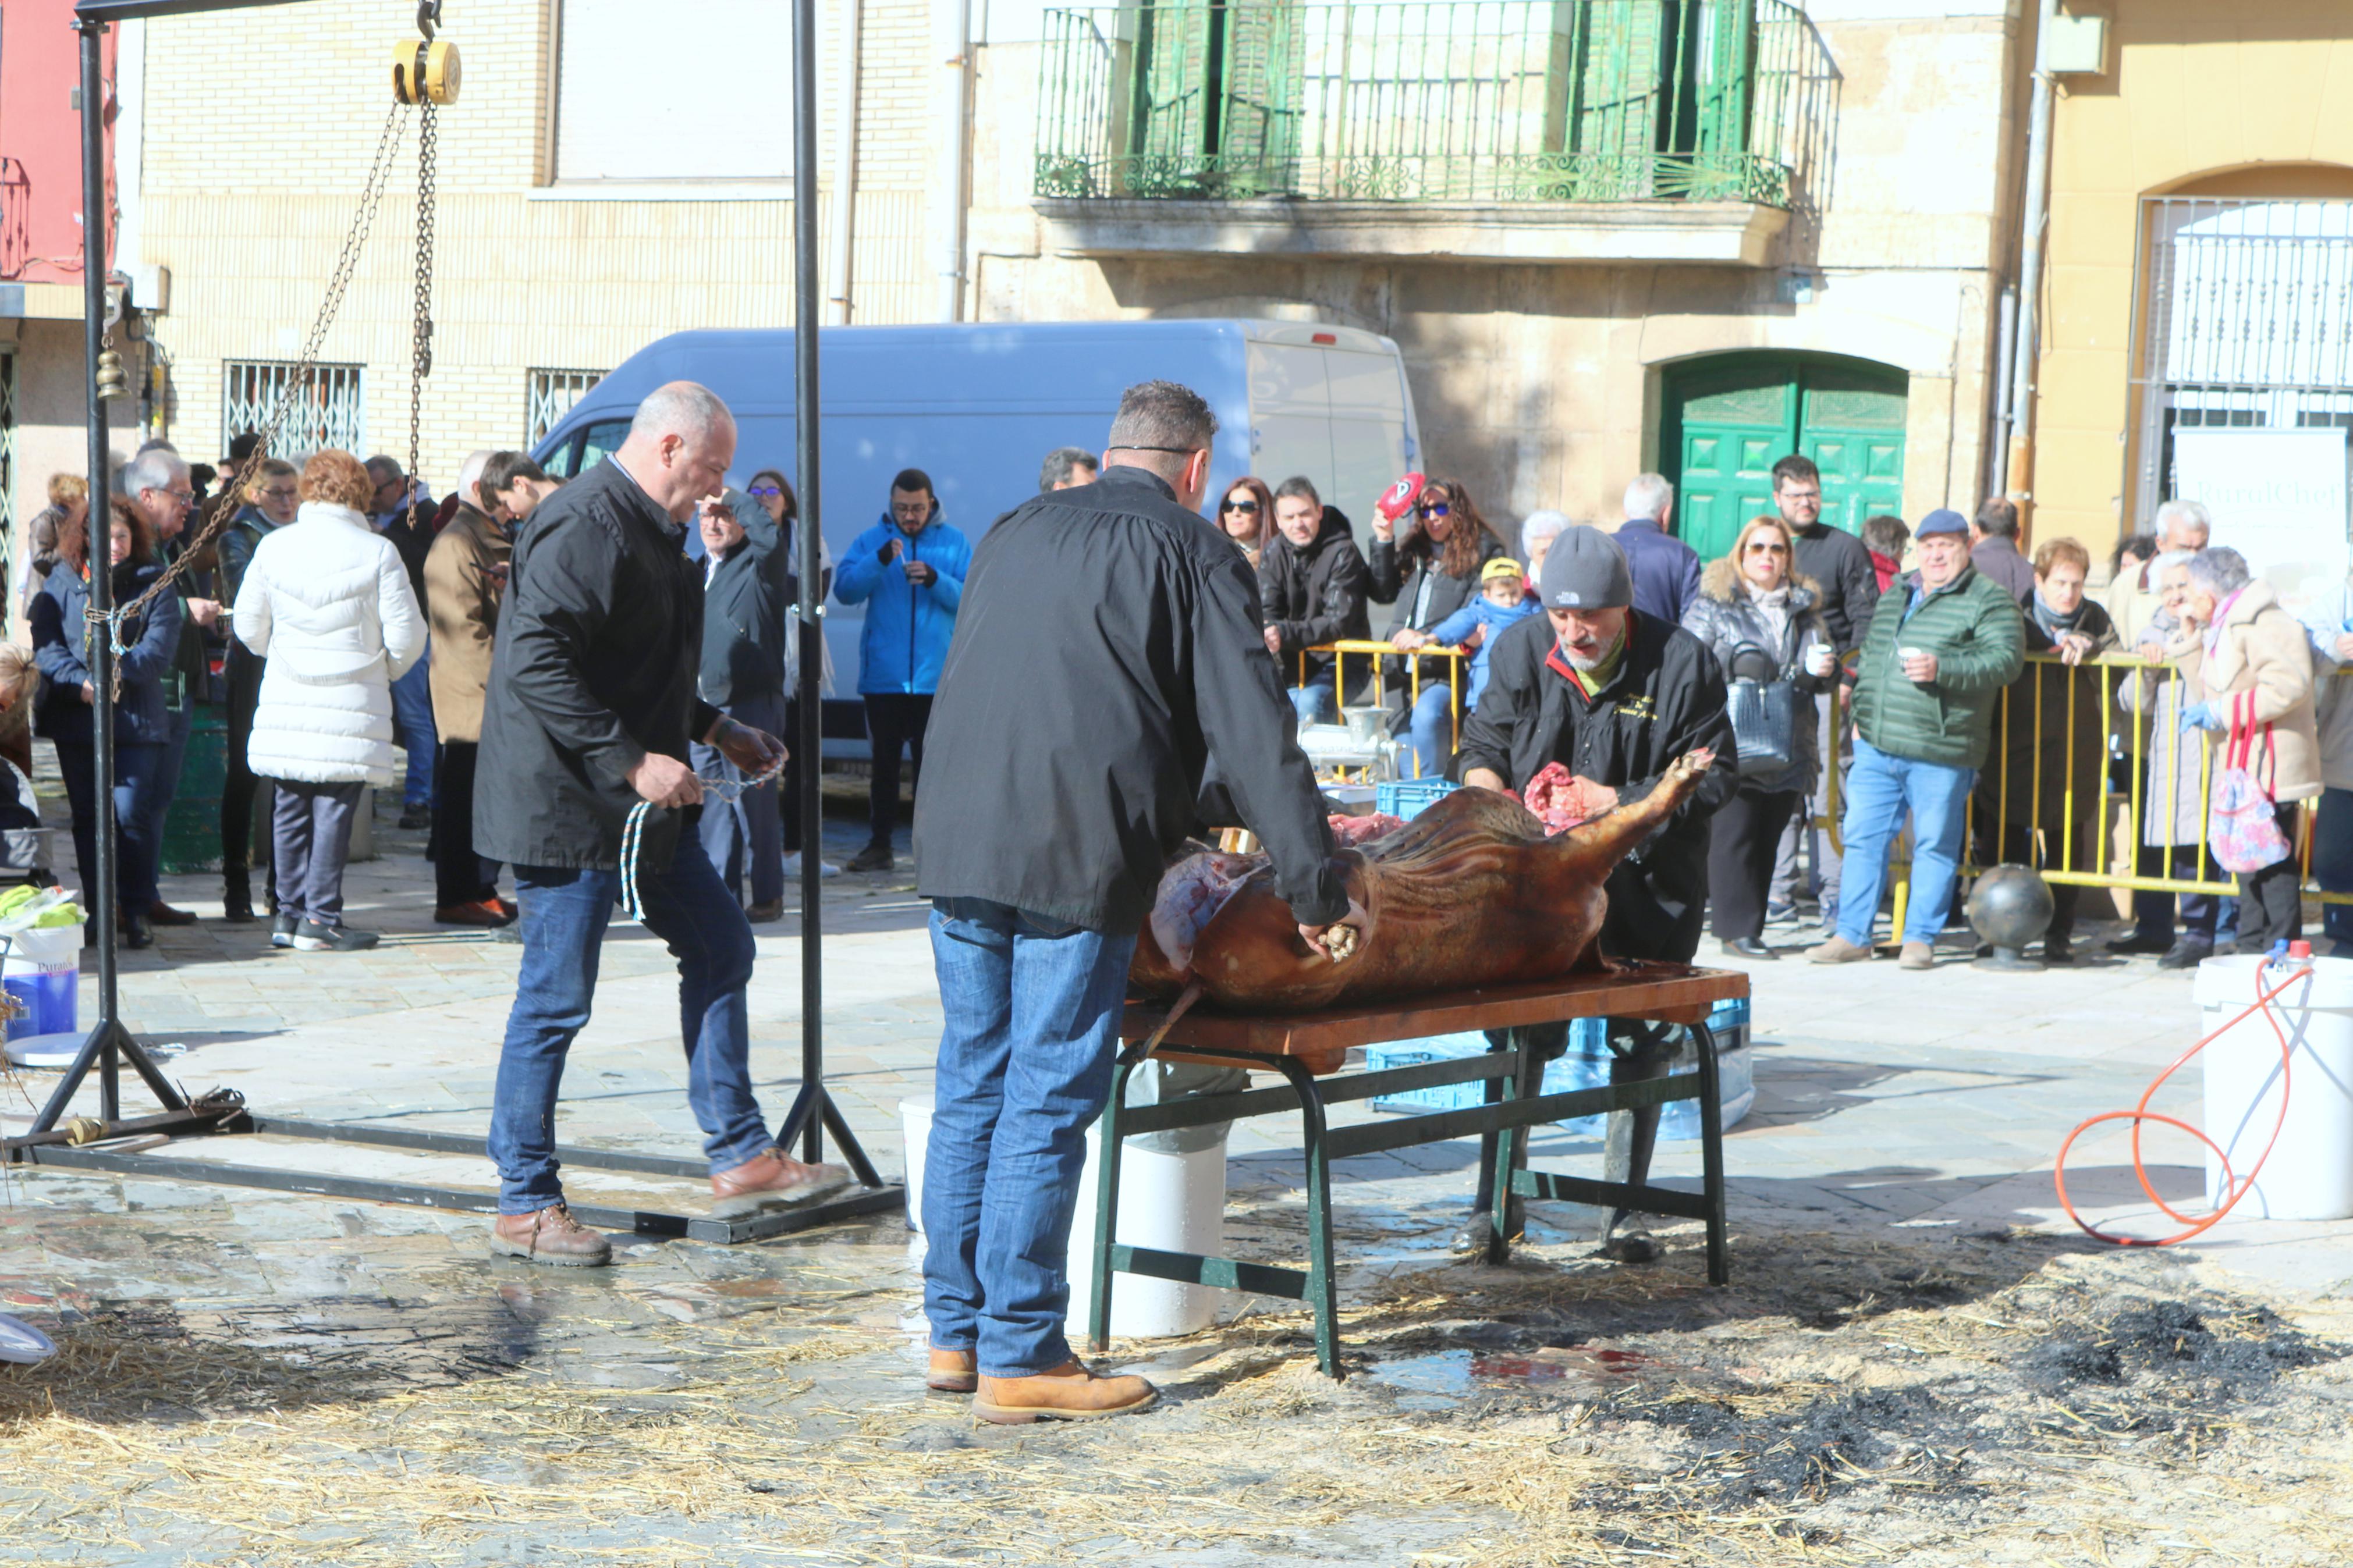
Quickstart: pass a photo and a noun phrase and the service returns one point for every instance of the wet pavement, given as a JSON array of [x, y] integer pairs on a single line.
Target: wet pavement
[[259, 1377]]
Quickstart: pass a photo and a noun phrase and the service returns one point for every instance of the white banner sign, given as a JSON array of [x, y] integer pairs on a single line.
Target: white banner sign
[[2278, 499]]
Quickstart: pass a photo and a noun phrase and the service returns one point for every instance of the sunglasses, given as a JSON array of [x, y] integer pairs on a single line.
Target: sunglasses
[[1242, 506], [1436, 509], [1762, 547], [764, 493]]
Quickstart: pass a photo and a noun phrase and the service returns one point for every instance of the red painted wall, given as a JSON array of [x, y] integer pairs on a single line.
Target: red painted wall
[[40, 141]]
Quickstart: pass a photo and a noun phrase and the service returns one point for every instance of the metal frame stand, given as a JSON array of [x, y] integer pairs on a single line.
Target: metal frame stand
[[1522, 1106], [815, 1110]]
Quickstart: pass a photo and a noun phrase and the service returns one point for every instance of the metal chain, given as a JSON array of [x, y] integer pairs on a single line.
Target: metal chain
[[339, 283], [421, 361]]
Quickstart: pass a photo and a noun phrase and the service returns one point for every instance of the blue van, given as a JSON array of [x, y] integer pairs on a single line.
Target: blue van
[[978, 407]]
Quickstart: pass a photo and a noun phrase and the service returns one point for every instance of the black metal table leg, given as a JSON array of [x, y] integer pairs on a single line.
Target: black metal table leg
[[1711, 1155], [1322, 1288], [1524, 1081], [1107, 1200]]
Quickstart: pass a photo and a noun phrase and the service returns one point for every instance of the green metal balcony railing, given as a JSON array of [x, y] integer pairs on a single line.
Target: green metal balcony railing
[[1420, 99]]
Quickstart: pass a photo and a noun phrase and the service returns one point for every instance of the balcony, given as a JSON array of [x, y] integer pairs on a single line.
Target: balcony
[[1506, 130]]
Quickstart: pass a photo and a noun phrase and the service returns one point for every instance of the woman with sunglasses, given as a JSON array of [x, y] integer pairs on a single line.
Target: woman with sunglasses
[[1762, 621], [1246, 516], [1429, 574]]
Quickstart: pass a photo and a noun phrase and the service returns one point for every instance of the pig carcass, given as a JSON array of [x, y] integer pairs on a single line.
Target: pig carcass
[[1469, 893]]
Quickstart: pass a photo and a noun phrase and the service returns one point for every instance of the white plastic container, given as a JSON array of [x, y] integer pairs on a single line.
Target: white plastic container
[[2310, 1173], [43, 972], [1177, 1202]]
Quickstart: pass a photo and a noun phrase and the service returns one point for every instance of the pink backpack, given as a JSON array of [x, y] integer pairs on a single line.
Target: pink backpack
[[2241, 821]]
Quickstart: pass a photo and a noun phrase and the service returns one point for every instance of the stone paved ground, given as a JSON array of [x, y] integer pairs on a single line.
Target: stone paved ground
[[261, 1377]]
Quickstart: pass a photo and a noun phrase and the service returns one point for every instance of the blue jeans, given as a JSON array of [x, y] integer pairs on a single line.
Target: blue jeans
[[1032, 1024], [2332, 859], [151, 802], [1313, 701], [136, 763], [565, 913], [412, 708], [1431, 728], [745, 838], [1880, 789]]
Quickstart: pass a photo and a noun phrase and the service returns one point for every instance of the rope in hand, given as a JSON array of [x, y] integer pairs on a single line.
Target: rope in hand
[[633, 830], [2234, 1187]]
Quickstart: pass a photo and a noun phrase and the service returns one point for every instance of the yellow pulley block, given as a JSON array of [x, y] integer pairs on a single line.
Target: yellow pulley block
[[424, 70]]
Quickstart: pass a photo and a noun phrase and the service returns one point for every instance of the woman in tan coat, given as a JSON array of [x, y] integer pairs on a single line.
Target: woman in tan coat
[[2249, 663], [465, 576]]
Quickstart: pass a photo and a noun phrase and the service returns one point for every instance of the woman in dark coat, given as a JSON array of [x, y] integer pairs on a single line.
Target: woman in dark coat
[[62, 648], [1429, 574]]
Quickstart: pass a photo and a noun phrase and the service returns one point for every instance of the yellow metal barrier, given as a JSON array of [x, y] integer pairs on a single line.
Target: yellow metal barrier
[[1380, 651]]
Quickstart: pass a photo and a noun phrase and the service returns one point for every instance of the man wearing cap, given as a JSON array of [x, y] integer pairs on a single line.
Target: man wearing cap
[[1614, 695], [1941, 647]]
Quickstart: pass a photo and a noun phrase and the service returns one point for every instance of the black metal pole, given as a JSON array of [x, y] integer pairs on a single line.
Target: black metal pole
[[107, 1043], [95, 211], [806, 289]]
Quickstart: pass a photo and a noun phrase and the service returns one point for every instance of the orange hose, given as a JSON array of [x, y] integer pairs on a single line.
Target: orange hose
[[2234, 1188]]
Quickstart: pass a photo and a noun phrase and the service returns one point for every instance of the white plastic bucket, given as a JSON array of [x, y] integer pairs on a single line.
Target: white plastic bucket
[[2310, 1173], [1174, 1202], [43, 972]]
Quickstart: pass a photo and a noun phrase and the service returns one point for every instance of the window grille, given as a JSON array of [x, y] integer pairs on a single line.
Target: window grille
[[2247, 323], [550, 396], [328, 406]]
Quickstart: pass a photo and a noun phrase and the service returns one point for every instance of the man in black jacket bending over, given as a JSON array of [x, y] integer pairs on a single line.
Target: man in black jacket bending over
[[1613, 696], [590, 710], [1108, 643]]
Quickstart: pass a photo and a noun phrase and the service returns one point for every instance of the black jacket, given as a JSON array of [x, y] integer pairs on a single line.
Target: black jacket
[[1840, 567], [744, 605], [1666, 698], [411, 532], [1389, 585], [594, 666], [1315, 595], [1998, 560], [1106, 646]]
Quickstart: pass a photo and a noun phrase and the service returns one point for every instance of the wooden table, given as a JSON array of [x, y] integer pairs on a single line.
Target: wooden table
[[1307, 1046]]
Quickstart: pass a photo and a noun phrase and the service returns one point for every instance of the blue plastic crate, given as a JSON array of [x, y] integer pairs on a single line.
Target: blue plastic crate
[[1407, 798], [1584, 1065]]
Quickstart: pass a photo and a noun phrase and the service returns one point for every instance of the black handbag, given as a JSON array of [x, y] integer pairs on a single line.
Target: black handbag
[[1764, 715]]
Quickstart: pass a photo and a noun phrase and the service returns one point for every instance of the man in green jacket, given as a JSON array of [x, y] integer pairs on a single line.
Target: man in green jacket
[[1931, 673]]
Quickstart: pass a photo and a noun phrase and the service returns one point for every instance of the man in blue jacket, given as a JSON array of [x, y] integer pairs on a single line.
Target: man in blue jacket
[[1666, 569], [908, 570]]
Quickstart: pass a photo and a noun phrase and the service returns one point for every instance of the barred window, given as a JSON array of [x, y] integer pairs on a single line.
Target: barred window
[[550, 396], [327, 406]]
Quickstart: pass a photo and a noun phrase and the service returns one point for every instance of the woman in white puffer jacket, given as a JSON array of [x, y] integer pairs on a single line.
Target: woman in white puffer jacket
[[328, 603]]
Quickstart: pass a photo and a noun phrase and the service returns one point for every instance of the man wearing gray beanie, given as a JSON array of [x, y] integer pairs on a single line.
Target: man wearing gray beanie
[[1614, 696]]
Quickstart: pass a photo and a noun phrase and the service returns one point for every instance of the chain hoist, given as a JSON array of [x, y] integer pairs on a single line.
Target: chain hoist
[[426, 74]]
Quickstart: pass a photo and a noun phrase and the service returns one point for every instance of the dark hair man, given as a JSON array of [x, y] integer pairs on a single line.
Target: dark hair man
[[1108, 647], [1993, 549], [1614, 696], [590, 710], [1841, 568], [513, 486], [1066, 468], [1313, 589], [908, 571]]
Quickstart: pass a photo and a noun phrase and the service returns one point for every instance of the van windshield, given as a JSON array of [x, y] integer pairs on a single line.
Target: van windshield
[[584, 449]]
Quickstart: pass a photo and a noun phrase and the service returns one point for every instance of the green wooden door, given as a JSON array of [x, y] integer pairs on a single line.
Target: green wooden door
[[1726, 419]]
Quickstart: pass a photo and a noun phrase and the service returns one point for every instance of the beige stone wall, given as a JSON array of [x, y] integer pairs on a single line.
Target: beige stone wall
[[1539, 385], [247, 195], [2214, 97]]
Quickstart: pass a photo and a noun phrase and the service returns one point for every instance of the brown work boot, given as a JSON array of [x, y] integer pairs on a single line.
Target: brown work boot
[[1068, 1393], [550, 1235], [1838, 950], [951, 1372], [772, 1180], [1916, 955]]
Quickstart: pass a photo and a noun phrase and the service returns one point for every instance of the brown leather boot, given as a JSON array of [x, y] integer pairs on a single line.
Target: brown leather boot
[[770, 1180], [550, 1235], [1068, 1393], [952, 1371]]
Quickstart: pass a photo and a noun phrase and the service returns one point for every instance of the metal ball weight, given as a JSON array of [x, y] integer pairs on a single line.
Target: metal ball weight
[[2008, 907]]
